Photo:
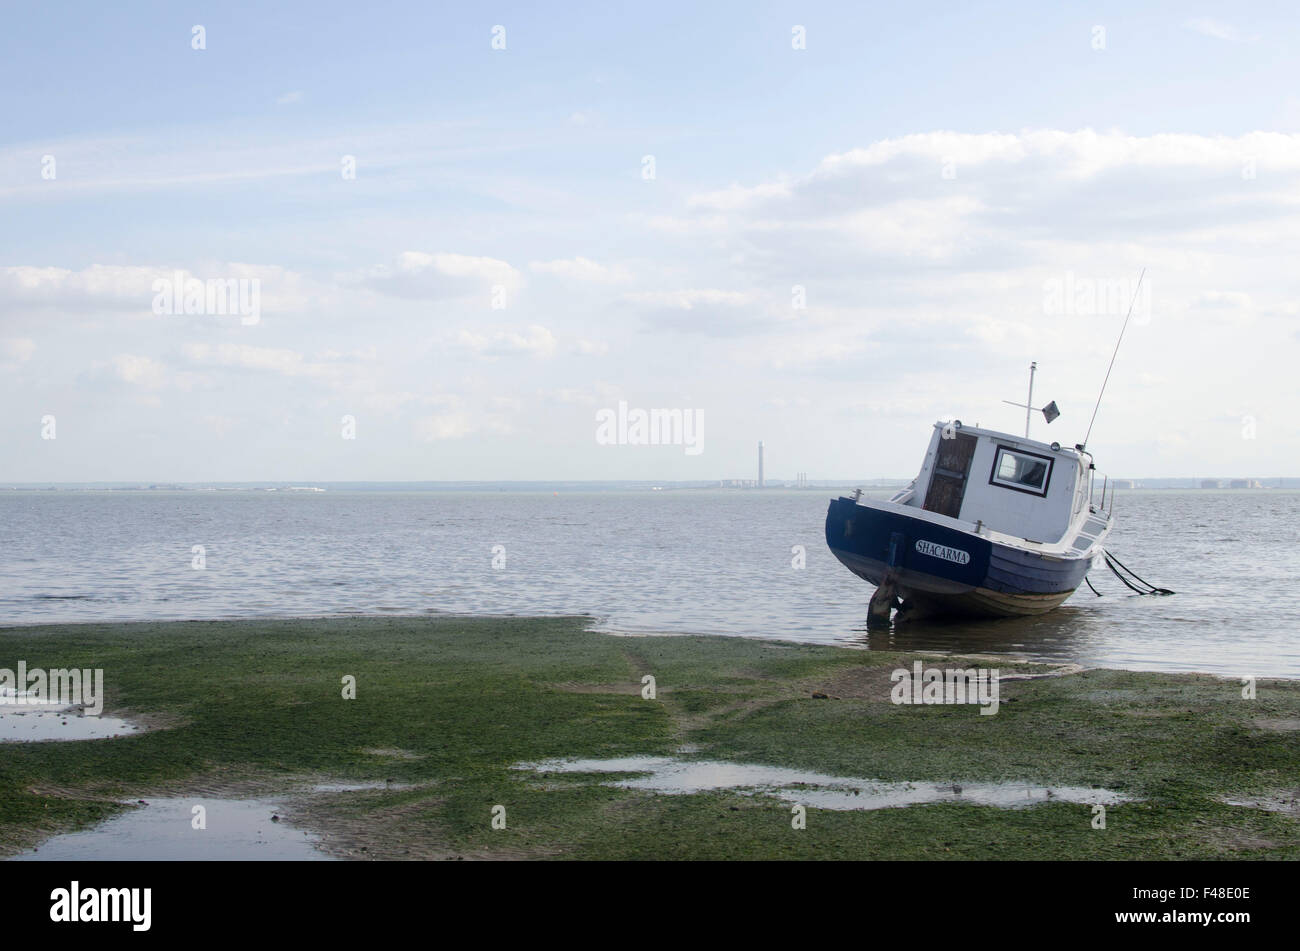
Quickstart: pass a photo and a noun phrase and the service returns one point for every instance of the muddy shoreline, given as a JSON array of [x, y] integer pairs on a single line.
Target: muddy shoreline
[[446, 709]]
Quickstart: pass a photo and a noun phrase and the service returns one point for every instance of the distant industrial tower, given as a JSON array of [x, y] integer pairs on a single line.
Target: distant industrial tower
[[760, 464]]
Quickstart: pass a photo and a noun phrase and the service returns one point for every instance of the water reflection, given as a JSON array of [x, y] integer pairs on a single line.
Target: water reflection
[[670, 776], [1063, 633]]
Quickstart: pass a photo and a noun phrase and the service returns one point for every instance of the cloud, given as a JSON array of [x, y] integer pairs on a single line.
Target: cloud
[[691, 298], [925, 291], [442, 276], [971, 202], [535, 341], [139, 371], [1218, 30], [245, 357], [289, 98], [580, 269], [143, 373], [446, 426], [457, 421], [131, 287], [703, 310], [735, 197], [15, 351], [108, 286]]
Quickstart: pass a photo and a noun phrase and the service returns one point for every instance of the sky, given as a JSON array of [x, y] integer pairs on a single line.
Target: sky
[[463, 232]]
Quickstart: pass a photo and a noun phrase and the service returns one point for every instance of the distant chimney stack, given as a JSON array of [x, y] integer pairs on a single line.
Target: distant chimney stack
[[760, 464]]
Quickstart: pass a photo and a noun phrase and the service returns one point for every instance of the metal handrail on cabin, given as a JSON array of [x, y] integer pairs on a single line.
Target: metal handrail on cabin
[[906, 495], [1101, 509]]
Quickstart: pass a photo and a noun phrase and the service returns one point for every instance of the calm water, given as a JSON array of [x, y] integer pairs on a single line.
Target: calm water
[[679, 561]]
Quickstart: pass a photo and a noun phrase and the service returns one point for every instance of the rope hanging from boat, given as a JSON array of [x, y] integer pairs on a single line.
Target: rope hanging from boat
[[1142, 586]]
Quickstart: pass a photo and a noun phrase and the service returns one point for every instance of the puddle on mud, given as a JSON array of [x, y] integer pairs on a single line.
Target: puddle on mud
[[24, 721], [237, 829], [368, 786], [162, 830], [678, 777], [1285, 804]]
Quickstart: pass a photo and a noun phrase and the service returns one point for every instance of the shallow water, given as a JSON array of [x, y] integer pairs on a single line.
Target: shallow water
[[23, 720], [36, 727], [680, 777], [162, 830], [715, 562], [1289, 805]]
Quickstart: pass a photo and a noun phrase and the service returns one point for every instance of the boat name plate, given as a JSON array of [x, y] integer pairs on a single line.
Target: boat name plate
[[943, 551]]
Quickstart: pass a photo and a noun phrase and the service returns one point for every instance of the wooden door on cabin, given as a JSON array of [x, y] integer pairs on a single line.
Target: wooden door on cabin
[[948, 481]]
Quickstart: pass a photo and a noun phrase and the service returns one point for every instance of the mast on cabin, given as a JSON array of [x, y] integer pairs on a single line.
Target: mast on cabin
[[1029, 403], [1050, 412]]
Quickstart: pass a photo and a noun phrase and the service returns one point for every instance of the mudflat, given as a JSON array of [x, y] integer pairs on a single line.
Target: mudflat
[[454, 737]]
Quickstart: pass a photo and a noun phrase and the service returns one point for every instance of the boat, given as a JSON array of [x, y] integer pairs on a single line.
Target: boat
[[994, 525]]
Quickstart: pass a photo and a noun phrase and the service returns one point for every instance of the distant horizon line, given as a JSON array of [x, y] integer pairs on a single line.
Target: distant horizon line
[[748, 483]]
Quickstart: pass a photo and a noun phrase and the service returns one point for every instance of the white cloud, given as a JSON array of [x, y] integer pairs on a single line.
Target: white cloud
[[139, 371], [735, 197], [111, 286], [246, 357], [457, 421], [580, 269], [703, 310], [15, 351], [886, 210], [691, 298], [441, 276], [1216, 29], [131, 287], [446, 426], [903, 268], [535, 341], [289, 98], [145, 373]]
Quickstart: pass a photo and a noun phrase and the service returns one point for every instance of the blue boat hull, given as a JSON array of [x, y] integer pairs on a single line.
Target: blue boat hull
[[943, 570]]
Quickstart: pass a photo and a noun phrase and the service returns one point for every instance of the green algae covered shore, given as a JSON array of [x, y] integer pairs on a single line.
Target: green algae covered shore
[[446, 709]]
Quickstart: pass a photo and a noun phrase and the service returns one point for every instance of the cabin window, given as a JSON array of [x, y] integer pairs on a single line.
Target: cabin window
[[1022, 471]]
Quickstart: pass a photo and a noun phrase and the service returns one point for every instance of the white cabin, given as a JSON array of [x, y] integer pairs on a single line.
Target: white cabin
[[1007, 484]]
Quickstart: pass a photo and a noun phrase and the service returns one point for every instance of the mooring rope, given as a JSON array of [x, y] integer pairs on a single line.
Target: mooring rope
[[1115, 565]]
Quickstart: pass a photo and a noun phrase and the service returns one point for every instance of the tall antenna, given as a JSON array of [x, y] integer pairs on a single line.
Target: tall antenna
[[1113, 356]]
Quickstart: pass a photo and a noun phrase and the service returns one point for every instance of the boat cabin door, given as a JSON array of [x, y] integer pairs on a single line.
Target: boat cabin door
[[948, 481]]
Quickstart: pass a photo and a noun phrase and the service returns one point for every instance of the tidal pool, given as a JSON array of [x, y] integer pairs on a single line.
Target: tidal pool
[[163, 830], [679, 777], [23, 720]]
